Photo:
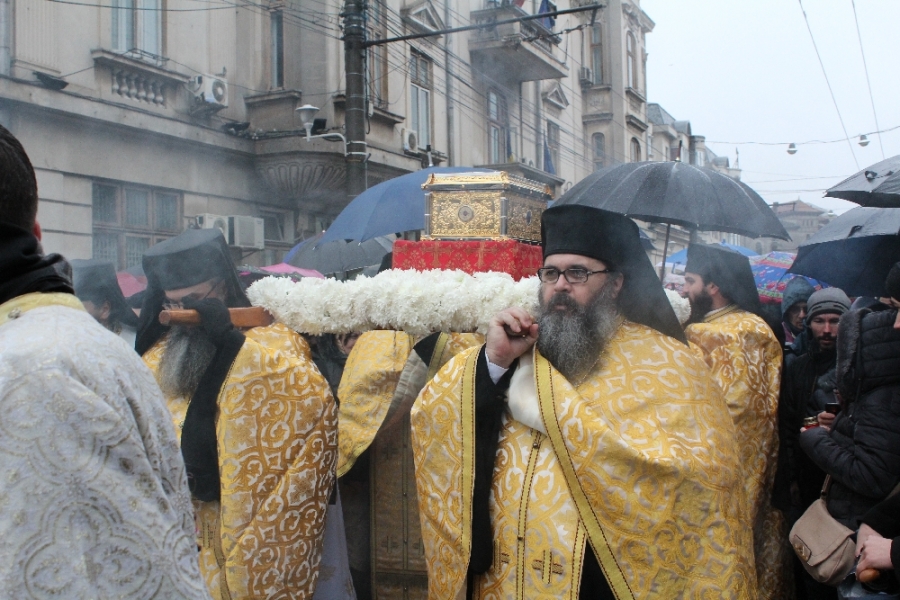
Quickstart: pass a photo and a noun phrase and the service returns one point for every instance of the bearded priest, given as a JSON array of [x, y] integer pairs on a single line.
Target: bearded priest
[[584, 453], [745, 358], [256, 419]]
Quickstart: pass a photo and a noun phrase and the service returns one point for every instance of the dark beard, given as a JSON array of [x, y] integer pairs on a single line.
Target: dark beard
[[700, 307], [187, 355], [573, 339]]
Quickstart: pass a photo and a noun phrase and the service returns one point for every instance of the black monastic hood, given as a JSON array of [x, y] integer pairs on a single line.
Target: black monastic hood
[[615, 240], [93, 278], [729, 270]]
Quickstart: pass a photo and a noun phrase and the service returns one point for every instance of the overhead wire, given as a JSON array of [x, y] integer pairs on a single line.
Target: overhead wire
[[830, 91], [866, 69]]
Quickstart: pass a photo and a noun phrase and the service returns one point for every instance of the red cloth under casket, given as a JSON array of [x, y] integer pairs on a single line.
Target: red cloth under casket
[[507, 256]]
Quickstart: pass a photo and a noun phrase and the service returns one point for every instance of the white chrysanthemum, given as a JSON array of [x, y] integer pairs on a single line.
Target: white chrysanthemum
[[681, 306], [418, 302]]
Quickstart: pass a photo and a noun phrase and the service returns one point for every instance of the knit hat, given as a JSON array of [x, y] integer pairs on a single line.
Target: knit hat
[[829, 300]]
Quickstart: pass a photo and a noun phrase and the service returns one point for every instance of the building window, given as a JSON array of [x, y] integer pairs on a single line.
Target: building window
[[420, 98], [597, 54], [273, 226], [497, 127], [635, 150], [553, 145], [599, 148], [631, 61], [137, 26], [377, 55], [277, 51], [128, 220]]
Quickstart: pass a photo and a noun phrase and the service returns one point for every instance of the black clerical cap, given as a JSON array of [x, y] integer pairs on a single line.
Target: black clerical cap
[[892, 283], [728, 269], [95, 281], [190, 258], [615, 240]]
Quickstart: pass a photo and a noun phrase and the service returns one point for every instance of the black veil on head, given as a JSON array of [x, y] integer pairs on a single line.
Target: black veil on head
[[96, 280], [190, 258], [728, 269], [615, 240]]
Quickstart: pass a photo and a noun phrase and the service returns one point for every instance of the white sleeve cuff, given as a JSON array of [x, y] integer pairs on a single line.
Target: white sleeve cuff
[[495, 371]]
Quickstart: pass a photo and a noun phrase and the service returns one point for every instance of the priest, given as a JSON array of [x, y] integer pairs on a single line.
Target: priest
[[98, 289], [585, 452], [257, 424], [745, 358]]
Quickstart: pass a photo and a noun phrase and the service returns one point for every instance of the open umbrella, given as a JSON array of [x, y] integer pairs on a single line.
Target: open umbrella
[[770, 271], [392, 206], [878, 185], [854, 252], [676, 193], [341, 256]]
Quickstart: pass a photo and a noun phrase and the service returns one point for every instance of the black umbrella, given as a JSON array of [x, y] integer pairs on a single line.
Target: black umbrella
[[341, 255], [676, 193], [878, 185], [854, 252]]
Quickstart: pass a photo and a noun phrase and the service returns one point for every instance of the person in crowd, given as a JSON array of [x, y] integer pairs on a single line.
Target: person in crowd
[[330, 352], [94, 497], [861, 449], [807, 390], [256, 419], [576, 453], [794, 310], [745, 358], [98, 289]]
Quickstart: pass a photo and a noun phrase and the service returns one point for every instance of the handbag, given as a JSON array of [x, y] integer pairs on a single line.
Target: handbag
[[825, 547]]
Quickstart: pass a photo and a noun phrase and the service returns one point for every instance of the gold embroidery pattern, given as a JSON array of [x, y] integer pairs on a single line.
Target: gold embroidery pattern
[[370, 379], [745, 359], [277, 441], [651, 445], [279, 336]]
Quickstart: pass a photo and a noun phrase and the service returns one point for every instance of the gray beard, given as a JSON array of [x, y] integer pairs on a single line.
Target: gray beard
[[187, 355], [573, 339]]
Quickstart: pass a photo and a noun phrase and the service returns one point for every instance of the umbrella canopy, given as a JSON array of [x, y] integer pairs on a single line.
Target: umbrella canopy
[[854, 252], [392, 206], [131, 284], [341, 256], [680, 257], [678, 194], [878, 185], [770, 271]]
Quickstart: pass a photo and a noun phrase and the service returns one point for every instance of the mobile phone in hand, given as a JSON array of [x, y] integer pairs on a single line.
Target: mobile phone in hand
[[833, 407]]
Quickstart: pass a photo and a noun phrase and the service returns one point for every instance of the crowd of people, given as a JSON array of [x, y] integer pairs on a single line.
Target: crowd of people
[[597, 449]]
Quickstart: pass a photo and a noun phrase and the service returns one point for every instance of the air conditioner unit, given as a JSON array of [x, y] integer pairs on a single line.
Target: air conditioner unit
[[247, 232], [210, 90], [208, 221], [410, 140], [586, 76]]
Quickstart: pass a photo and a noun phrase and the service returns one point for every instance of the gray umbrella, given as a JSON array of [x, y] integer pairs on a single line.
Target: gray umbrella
[[854, 252], [676, 193], [878, 185], [341, 255]]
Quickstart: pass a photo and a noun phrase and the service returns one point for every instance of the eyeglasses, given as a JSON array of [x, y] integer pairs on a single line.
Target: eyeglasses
[[179, 304], [572, 274]]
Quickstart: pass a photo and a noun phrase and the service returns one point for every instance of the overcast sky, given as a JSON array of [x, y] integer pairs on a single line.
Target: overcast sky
[[748, 72]]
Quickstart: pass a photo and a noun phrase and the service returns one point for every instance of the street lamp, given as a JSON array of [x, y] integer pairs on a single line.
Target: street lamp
[[792, 148], [307, 114], [863, 140]]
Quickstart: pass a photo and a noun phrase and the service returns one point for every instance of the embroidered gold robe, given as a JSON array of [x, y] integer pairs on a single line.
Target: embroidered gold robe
[[745, 358], [638, 461], [277, 441]]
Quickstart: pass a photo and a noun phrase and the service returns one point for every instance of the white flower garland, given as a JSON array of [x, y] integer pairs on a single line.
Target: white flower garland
[[418, 302], [681, 306]]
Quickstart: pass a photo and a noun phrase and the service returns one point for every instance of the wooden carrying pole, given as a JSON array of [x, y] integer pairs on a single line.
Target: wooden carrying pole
[[242, 318]]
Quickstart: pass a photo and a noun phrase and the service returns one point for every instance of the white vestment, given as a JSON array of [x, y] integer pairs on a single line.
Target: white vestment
[[94, 500]]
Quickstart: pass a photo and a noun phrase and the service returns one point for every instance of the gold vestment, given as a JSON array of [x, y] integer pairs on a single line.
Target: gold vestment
[[638, 461], [276, 434], [745, 358]]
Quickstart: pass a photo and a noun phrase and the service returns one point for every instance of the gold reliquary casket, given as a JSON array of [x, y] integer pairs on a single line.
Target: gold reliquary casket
[[488, 205]]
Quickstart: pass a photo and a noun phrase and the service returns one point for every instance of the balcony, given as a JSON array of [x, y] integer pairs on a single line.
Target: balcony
[[513, 52]]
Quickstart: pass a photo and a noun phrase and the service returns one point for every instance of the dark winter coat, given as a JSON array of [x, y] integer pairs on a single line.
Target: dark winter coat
[[862, 452]]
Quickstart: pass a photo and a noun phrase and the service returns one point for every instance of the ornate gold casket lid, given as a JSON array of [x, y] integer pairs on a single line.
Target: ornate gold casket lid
[[492, 180]]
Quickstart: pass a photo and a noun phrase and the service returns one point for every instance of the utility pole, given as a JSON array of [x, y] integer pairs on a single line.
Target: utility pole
[[355, 108]]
